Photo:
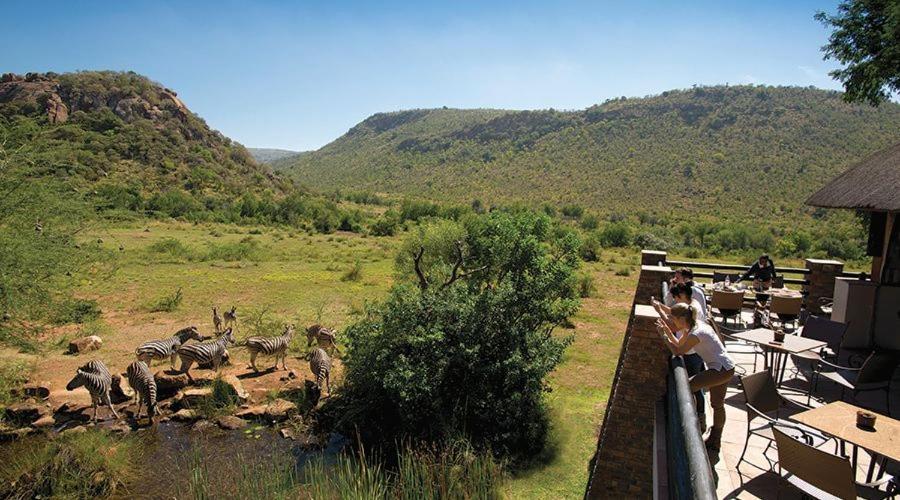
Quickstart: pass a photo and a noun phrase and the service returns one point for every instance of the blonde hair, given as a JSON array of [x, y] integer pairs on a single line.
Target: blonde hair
[[686, 312]]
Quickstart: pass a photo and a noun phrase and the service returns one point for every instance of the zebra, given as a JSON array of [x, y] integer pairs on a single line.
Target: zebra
[[230, 318], [204, 352], [141, 380], [95, 377], [276, 346], [320, 366], [323, 337], [166, 348], [217, 320]]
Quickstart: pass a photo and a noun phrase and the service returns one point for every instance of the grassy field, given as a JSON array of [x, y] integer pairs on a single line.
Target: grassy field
[[323, 278]]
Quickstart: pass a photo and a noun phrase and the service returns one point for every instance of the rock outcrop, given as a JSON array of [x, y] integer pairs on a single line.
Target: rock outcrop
[[85, 344]]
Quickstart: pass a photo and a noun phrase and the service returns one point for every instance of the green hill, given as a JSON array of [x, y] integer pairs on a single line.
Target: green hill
[[268, 155], [725, 151], [124, 136]]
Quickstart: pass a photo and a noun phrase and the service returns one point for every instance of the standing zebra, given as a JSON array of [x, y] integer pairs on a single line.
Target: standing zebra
[[209, 352], [320, 366], [230, 318], [166, 348], [141, 380], [324, 337], [95, 377], [217, 320], [269, 346]]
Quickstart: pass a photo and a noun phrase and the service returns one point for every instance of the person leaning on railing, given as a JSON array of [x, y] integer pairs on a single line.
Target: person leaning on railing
[[685, 293], [686, 275], [762, 271], [703, 340]]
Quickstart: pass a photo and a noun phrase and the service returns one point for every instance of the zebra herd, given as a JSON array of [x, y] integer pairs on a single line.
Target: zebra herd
[[97, 379]]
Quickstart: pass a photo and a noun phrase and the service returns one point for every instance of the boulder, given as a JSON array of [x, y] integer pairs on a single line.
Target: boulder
[[168, 384], [288, 433], [119, 394], [75, 430], [120, 427], [231, 422], [25, 413], [280, 409], [235, 384], [192, 396], [45, 422], [85, 344], [34, 390], [202, 425], [255, 412], [185, 415]]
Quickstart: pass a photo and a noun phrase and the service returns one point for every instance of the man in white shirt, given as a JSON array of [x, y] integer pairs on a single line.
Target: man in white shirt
[[686, 275]]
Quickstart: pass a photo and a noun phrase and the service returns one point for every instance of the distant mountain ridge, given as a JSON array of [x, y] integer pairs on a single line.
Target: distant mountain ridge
[[722, 150], [121, 133], [269, 155]]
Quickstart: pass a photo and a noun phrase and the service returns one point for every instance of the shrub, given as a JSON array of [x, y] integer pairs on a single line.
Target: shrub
[[483, 340], [168, 302], [586, 286], [75, 311], [590, 222], [616, 234], [245, 249], [623, 271], [171, 248], [573, 211], [12, 375], [354, 273], [590, 249], [386, 225], [91, 464], [650, 241], [221, 401]]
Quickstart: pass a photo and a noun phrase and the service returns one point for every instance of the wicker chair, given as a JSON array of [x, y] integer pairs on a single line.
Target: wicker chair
[[765, 402], [721, 277], [786, 309], [729, 304], [819, 474]]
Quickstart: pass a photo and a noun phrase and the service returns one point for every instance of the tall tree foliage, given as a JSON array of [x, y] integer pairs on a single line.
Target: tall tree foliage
[[463, 344], [866, 39]]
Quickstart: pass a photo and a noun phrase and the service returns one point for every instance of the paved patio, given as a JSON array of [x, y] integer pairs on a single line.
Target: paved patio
[[757, 477]]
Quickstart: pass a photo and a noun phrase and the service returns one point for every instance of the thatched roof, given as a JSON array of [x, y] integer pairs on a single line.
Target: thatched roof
[[872, 184]]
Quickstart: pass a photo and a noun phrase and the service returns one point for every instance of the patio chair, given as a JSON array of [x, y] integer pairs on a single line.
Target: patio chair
[[765, 402], [729, 304], [819, 474], [778, 282], [721, 277], [786, 309], [807, 362], [875, 374]]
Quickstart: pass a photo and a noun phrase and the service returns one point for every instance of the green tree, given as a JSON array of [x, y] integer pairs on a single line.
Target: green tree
[[446, 357], [866, 39]]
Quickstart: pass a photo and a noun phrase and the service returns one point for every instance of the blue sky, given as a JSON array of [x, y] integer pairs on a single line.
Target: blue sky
[[297, 75]]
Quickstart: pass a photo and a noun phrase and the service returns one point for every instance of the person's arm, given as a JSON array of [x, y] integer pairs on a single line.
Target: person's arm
[[664, 312], [753, 271], [677, 346]]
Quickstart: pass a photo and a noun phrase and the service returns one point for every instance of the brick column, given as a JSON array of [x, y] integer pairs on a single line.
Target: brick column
[[623, 463], [650, 283], [822, 274], [653, 257]]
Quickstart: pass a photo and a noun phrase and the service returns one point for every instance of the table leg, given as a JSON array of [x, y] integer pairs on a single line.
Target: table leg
[[784, 358], [853, 461]]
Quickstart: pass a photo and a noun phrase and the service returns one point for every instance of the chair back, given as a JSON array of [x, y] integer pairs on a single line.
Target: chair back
[[829, 473], [786, 305], [825, 330], [720, 277], [728, 301], [778, 282], [878, 367], [760, 392]]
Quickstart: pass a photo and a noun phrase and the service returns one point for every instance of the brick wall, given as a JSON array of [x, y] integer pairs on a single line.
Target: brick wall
[[822, 274], [623, 463], [653, 257]]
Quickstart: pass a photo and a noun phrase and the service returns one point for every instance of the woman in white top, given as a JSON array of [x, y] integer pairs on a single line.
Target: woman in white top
[[702, 339]]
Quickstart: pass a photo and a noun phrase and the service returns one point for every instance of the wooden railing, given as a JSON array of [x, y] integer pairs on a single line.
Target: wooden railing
[[739, 269]]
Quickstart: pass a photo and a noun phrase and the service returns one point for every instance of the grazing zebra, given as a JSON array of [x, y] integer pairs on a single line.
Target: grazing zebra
[[141, 380], [205, 352], [217, 320], [320, 366], [269, 346], [95, 377], [324, 337], [166, 348], [230, 318]]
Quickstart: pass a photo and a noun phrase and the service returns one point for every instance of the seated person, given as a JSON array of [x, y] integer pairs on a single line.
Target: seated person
[[762, 272], [686, 275]]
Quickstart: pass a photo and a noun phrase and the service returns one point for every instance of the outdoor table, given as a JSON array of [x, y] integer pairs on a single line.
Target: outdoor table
[[838, 419], [776, 355]]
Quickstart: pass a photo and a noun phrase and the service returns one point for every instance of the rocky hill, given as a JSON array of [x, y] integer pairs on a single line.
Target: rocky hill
[[724, 151], [268, 155], [126, 137]]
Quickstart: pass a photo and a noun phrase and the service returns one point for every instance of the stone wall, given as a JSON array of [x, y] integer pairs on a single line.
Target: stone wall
[[623, 463], [822, 274]]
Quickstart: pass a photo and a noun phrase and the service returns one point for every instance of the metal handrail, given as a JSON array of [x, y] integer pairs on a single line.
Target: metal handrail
[[689, 472], [731, 267]]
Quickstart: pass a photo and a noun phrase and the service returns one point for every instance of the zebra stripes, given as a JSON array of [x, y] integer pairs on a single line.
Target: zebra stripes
[[324, 337], [141, 380], [320, 366], [166, 348], [204, 352], [269, 346], [95, 377]]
